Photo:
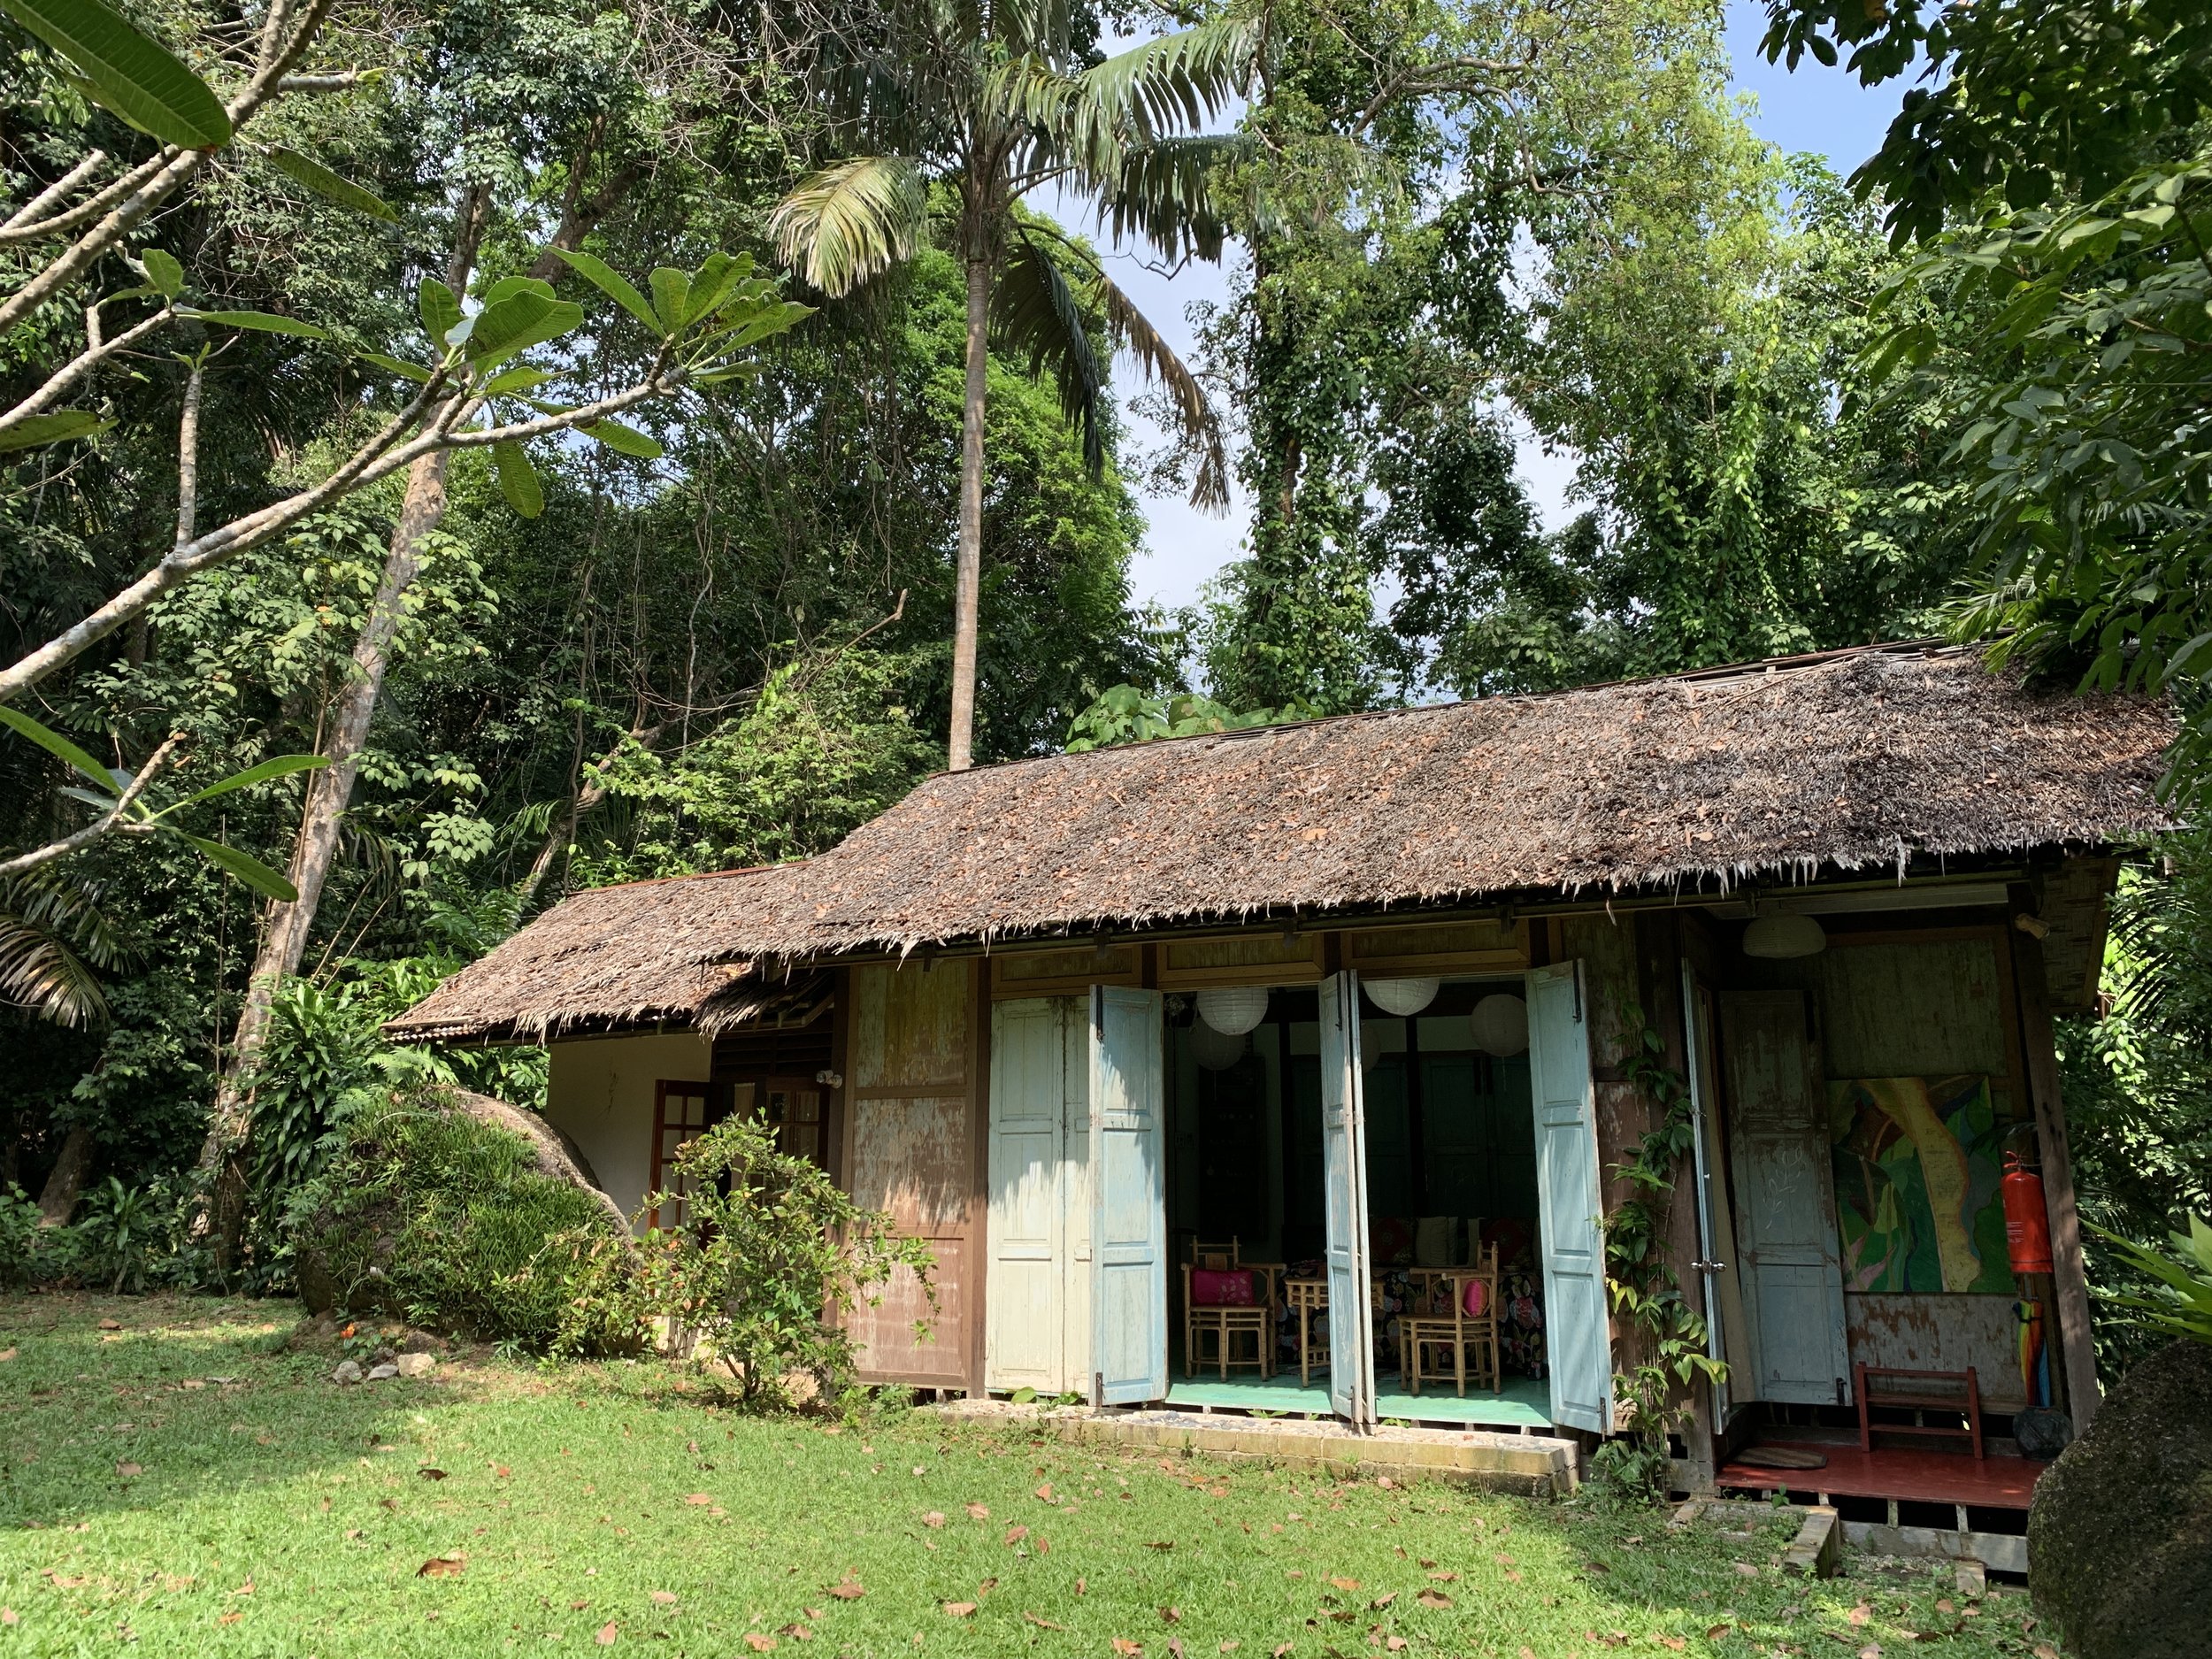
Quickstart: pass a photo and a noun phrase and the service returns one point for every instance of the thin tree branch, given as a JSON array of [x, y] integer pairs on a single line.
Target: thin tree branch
[[189, 457], [54, 192], [83, 362], [107, 823]]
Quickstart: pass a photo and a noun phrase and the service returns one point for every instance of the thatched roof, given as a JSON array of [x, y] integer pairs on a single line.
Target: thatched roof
[[1851, 761]]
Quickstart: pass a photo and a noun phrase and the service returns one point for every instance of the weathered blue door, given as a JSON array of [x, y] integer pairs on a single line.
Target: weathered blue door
[[1129, 1194], [1571, 1220], [1344, 1177], [1785, 1202]]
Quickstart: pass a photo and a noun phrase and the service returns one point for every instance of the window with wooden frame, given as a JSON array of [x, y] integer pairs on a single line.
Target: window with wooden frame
[[681, 1113], [791, 1108]]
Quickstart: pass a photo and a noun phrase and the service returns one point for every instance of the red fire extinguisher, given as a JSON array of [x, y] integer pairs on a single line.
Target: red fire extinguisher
[[2027, 1224]]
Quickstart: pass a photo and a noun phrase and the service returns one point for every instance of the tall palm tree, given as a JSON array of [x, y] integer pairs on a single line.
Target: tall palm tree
[[991, 98]]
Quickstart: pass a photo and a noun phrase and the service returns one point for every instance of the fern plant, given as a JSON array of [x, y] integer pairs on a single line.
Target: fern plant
[[2187, 1309]]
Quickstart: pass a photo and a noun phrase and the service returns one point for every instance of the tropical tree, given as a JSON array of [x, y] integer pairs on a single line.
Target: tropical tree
[[992, 103]]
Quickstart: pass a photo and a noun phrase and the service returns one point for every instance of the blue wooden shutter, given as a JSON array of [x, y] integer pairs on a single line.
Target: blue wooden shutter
[[1344, 1177], [1573, 1211], [1129, 1188]]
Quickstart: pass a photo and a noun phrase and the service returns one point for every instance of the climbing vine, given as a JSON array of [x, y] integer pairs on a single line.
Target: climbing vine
[[1642, 1285]]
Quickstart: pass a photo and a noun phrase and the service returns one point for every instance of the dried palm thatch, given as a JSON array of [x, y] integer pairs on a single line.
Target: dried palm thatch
[[1851, 761]]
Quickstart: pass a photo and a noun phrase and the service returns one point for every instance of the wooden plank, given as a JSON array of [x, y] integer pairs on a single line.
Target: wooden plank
[[2076, 1347], [1939, 1331], [911, 1025], [1438, 947], [1065, 972], [977, 1015], [1259, 957]]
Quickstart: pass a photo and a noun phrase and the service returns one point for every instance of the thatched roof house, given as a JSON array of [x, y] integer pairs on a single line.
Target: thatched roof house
[[1861, 760]]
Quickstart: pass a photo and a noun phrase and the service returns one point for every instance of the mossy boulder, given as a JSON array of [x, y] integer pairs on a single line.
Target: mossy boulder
[[2120, 1537], [453, 1212]]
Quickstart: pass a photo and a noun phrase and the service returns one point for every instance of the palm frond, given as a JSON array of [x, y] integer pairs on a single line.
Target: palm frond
[[1065, 122], [1177, 81], [1201, 427], [53, 936], [1036, 314], [852, 221], [1164, 192]]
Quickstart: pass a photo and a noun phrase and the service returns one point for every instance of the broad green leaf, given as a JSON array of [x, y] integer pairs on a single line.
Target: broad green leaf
[[512, 382], [671, 293], [732, 372], [519, 321], [54, 744], [305, 170], [163, 272], [518, 480], [56, 426], [611, 282], [508, 287], [102, 804], [623, 440], [247, 868], [394, 365], [260, 322], [774, 319], [440, 312], [713, 283], [133, 73], [280, 766]]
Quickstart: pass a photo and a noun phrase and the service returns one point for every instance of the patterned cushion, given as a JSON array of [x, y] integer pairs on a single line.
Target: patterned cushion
[[1220, 1290]]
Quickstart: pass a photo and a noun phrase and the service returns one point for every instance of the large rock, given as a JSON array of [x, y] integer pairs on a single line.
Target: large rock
[[2120, 1538]]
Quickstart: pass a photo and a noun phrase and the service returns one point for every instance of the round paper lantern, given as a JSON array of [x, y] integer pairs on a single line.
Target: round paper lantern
[[1216, 1051], [1501, 1024], [1233, 1009], [1402, 997], [1781, 936]]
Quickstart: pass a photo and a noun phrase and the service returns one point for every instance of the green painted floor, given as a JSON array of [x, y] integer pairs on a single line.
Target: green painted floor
[[1526, 1401]]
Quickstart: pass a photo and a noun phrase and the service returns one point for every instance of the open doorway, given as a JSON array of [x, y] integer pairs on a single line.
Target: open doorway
[[1449, 1181]]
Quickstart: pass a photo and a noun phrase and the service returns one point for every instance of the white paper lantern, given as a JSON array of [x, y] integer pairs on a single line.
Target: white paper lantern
[[1233, 1009], [1781, 936], [1501, 1024], [1216, 1051], [1405, 998]]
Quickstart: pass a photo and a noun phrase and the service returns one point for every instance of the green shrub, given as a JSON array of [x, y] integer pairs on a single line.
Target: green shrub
[[2185, 1309], [122, 1236], [775, 1257], [429, 1213], [19, 1238]]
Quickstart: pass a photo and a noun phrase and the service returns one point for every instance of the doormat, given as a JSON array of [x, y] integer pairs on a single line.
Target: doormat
[[1782, 1457]]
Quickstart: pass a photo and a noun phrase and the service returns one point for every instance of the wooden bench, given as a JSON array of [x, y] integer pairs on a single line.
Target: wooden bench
[[1891, 1389]]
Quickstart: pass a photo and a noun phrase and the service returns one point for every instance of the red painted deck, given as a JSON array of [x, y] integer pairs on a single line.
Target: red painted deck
[[1912, 1477]]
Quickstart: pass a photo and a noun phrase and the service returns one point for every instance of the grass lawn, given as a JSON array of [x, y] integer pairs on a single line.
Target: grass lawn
[[181, 1481]]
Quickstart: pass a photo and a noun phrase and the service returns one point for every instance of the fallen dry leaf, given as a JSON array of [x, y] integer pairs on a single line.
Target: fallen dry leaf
[[1175, 1646], [1126, 1649], [1395, 1644], [1346, 1585], [110, 1325], [1714, 1632], [1675, 1644], [1231, 1645], [1162, 1543], [1745, 1569], [128, 1470], [796, 1631], [935, 1517], [699, 1499], [431, 1474], [978, 1511], [1045, 1491], [2044, 1650], [502, 1471], [1514, 1573], [666, 1598], [1042, 1624], [1859, 1614], [1444, 1578], [1873, 1651], [850, 1590], [246, 1589], [1015, 1535], [442, 1567], [960, 1609], [607, 1633], [757, 1642], [1280, 1651], [230, 1618], [7, 1353], [1170, 1616], [8, 1615], [1434, 1598]]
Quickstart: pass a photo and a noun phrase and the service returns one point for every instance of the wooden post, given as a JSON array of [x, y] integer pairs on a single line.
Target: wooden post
[[979, 1189], [2077, 1347]]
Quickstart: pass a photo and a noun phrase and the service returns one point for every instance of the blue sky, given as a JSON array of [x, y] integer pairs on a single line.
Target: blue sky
[[1824, 111]]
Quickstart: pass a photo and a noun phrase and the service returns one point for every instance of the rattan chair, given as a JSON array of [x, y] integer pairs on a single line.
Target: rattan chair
[[1435, 1342], [1226, 1323], [1309, 1299]]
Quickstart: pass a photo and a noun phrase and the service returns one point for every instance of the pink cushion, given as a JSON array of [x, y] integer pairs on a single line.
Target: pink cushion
[[1210, 1289], [1478, 1298]]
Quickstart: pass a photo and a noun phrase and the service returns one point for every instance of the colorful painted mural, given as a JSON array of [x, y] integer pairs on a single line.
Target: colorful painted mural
[[1916, 1163]]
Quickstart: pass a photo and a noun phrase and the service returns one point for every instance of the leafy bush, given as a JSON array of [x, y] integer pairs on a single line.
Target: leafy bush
[[122, 1236], [775, 1257], [2186, 1309], [430, 1213], [19, 1236]]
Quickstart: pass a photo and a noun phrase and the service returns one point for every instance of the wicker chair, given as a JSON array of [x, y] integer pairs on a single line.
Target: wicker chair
[[1225, 1322], [1310, 1297], [1444, 1328]]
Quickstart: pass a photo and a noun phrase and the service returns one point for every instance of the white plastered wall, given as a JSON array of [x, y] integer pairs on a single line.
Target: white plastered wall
[[601, 1095]]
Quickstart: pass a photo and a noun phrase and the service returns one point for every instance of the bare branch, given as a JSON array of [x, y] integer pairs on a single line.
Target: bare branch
[[341, 82], [106, 823], [90, 209], [60, 188], [98, 352], [189, 457]]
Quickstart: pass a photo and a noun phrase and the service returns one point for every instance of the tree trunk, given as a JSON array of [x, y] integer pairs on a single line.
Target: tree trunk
[[960, 746], [58, 1198]]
